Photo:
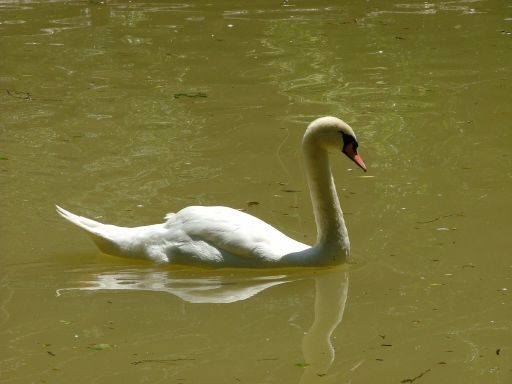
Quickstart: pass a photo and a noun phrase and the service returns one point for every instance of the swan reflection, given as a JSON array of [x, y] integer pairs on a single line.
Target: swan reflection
[[214, 286], [190, 286], [331, 292]]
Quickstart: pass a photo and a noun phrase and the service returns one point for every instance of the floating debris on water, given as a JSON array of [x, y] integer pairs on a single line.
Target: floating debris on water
[[19, 94], [100, 346], [416, 377], [190, 95]]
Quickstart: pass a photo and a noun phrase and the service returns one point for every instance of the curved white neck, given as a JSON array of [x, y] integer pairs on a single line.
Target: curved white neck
[[332, 236]]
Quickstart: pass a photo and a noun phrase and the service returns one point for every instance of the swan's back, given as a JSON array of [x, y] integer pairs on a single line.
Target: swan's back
[[238, 237]]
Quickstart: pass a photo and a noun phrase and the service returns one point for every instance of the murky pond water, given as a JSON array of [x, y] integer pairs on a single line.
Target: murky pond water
[[124, 111]]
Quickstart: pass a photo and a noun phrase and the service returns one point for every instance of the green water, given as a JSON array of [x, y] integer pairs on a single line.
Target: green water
[[124, 111]]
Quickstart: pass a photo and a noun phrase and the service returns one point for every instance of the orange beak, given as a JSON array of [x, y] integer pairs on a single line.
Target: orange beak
[[351, 152]]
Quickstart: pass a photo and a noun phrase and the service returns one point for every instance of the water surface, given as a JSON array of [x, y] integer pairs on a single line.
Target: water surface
[[123, 111]]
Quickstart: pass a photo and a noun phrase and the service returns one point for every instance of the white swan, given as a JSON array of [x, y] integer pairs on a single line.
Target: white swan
[[225, 237]]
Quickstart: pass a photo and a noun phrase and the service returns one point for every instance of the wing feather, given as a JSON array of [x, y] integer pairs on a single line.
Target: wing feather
[[234, 232]]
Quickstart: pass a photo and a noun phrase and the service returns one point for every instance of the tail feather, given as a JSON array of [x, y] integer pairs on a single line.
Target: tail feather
[[97, 231], [80, 221]]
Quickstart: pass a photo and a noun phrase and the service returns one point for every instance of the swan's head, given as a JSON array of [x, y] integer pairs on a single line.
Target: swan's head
[[332, 133]]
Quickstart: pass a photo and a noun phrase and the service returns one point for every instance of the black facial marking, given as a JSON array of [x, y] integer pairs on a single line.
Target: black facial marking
[[349, 140]]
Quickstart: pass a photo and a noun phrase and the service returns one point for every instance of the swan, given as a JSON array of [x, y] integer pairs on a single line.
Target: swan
[[214, 236]]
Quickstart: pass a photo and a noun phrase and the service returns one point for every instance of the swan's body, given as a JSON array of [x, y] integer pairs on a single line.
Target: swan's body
[[225, 237]]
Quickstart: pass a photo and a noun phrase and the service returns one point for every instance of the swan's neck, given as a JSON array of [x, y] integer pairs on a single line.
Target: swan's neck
[[332, 239]]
